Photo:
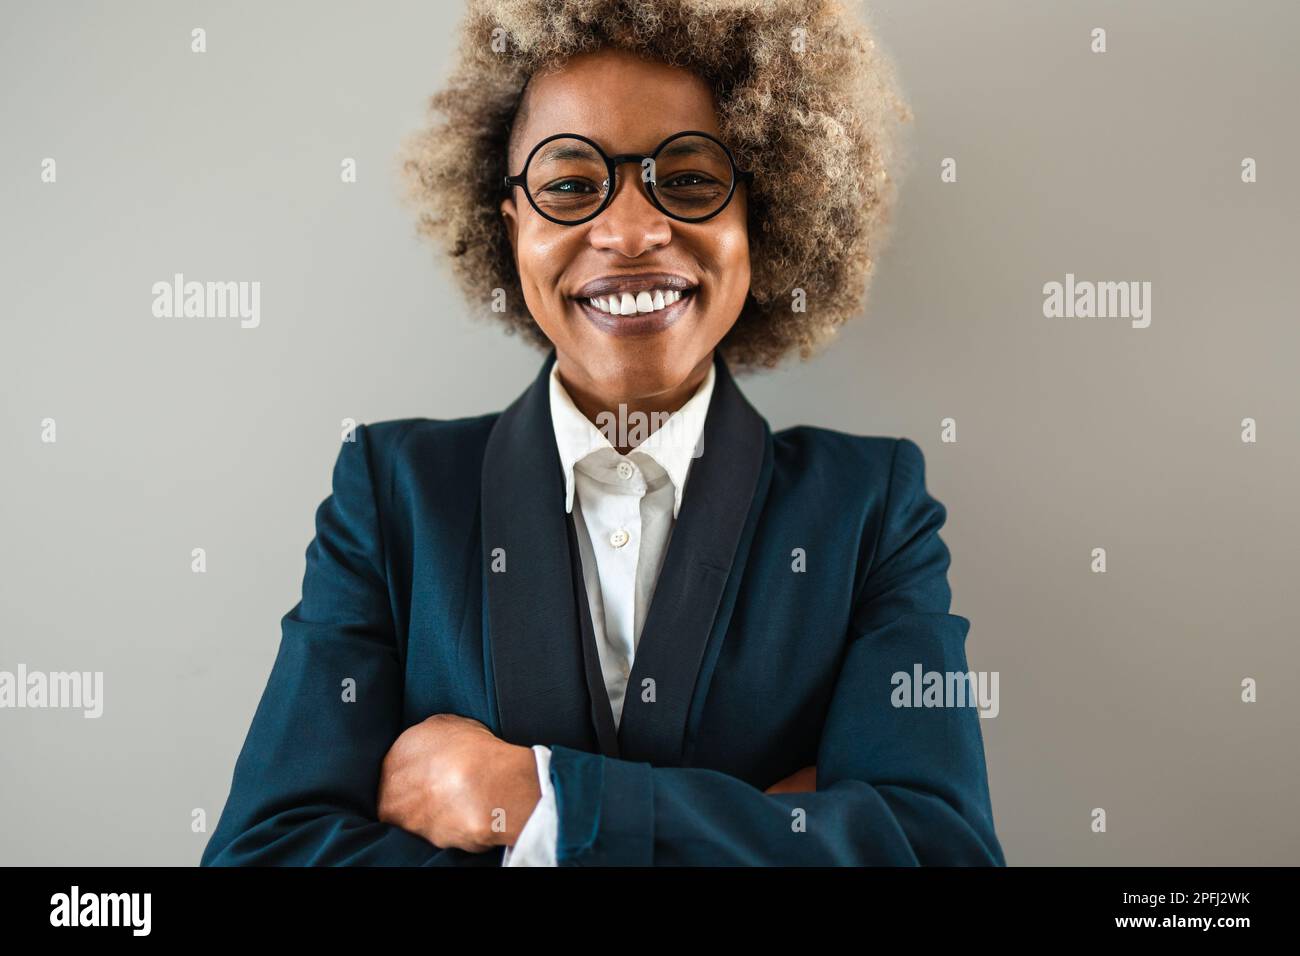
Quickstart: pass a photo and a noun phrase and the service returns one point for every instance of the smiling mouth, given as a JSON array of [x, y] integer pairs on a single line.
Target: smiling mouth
[[641, 314], [635, 303]]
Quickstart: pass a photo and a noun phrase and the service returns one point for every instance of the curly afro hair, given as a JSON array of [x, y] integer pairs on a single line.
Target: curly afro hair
[[805, 99]]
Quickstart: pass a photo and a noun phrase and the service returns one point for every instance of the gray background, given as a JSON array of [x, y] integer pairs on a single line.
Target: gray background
[[1118, 690]]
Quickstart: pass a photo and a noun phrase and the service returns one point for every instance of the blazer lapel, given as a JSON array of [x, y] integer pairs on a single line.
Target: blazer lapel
[[545, 667], [692, 602], [539, 668], [602, 712]]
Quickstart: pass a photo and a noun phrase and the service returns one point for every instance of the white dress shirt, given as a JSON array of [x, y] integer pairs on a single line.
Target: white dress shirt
[[624, 508]]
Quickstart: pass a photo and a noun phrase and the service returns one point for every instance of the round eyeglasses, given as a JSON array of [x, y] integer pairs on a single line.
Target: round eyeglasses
[[690, 176]]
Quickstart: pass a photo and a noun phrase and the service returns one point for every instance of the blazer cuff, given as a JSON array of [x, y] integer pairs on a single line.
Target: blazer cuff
[[605, 809], [536, 843]]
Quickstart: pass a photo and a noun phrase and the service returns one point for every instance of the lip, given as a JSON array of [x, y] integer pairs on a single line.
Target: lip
[[632, 284], [640, 323]]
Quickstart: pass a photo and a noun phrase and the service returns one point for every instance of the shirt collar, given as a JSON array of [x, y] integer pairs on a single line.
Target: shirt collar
[[672, 445]]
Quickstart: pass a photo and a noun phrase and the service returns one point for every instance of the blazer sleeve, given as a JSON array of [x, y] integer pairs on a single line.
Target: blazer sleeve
[[305, 786], [895, 785]]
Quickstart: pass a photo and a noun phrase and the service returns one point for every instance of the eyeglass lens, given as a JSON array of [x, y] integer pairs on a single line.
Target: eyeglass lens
[[691, 177]]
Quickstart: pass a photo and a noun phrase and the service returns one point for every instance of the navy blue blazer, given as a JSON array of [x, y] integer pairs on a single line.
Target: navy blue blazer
[[748, 668]]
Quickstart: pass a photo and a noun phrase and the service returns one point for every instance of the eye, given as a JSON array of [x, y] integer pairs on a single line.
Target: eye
[[679, 180], [570, 187]]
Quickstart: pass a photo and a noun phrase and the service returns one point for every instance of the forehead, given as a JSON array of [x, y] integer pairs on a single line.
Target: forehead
[[624, 102]]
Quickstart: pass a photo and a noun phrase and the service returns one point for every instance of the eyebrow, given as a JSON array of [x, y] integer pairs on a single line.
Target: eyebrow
[[691, 147], [562, 151]]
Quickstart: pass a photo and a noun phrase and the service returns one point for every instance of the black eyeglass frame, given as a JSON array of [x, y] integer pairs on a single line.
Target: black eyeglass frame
[[612, 163]]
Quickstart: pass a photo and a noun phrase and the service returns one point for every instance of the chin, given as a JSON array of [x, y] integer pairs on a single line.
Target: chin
[[636, 366], [640, 373], [640, 382]]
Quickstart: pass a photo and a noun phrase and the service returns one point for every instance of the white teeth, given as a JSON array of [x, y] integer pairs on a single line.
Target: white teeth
[[627, 304]]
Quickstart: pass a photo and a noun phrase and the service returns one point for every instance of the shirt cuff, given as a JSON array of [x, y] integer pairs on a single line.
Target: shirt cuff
[[536, 843]]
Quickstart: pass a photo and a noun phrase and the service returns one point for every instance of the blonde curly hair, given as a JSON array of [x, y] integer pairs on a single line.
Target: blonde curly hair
[[805, 99]]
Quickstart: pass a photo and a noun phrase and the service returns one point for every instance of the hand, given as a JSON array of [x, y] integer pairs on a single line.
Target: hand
[[801, 781], [450, 780]]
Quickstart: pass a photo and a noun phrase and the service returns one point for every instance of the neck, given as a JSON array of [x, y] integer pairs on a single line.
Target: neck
[[656, 407]]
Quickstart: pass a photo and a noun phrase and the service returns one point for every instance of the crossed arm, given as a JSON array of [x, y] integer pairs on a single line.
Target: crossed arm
[[451, 781], [894, 786]]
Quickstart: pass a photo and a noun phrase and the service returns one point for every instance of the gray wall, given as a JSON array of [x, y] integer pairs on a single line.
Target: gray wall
[[1119, 690]]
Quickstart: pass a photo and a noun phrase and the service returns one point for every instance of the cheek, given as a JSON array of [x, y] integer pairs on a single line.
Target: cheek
[[543, 258], [540, 260], [731, 261]]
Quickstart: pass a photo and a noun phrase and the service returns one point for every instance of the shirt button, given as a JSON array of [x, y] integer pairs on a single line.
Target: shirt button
[[619, 538], [625, 470]]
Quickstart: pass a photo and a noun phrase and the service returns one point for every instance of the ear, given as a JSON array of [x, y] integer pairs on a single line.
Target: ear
[[510, 212]]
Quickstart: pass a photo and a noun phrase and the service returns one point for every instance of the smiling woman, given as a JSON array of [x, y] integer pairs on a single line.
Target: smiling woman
[[629, 245], [797, 89], [583, 644]]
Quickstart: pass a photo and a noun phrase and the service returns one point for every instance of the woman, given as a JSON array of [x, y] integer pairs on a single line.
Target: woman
[[622, 622]]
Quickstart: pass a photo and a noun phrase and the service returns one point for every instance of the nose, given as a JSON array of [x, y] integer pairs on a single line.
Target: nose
[[630, 224]]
